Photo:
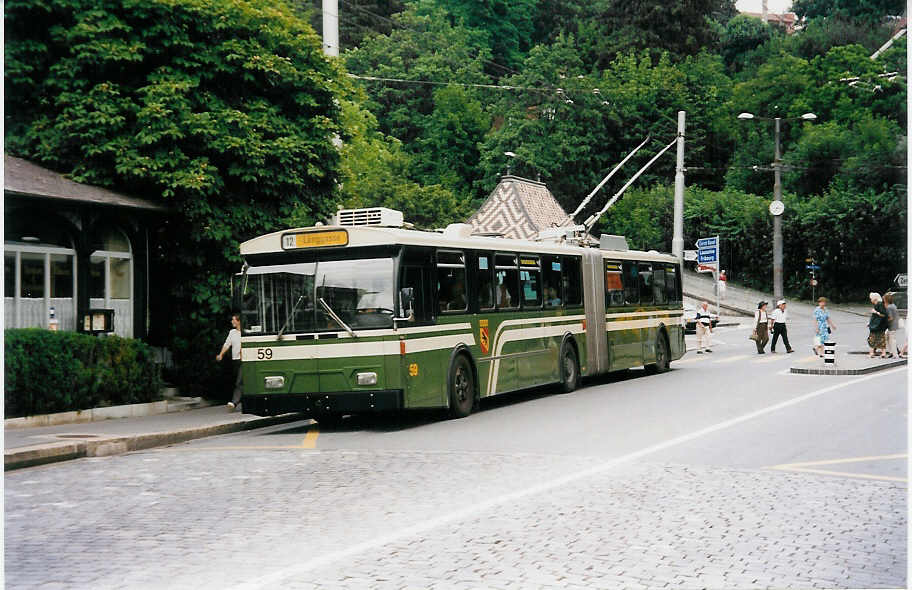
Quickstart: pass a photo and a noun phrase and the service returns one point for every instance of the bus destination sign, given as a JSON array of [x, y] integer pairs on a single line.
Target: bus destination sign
[[338, 237]]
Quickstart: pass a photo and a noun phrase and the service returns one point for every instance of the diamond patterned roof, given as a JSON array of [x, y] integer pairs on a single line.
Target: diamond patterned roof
[[518, 208]]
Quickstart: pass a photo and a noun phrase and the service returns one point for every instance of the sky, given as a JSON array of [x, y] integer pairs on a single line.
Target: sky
[[774, 6]]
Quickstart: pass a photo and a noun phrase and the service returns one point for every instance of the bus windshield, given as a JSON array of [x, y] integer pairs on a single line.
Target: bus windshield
[[285, 298]]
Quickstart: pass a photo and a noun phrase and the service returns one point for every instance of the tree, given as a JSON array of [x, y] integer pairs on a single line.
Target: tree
[[414, 53], [872, 11], [447, 151], [223, 111], [507, 27], [740, 39], [617, 27], [375, 172]]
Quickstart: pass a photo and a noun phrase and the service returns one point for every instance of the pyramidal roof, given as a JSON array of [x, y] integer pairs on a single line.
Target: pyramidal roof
[[518, 208]]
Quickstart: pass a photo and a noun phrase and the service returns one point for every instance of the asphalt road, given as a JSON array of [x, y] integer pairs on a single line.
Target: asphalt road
[[727, 471]]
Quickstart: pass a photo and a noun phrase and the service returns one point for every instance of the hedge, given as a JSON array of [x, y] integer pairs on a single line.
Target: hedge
[[48, 372]]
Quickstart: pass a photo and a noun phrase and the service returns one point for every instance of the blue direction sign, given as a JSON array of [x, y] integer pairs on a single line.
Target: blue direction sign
[[708, 242], [812, 266], [707, 255]]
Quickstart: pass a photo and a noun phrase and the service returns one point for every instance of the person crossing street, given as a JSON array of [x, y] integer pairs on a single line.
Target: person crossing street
[[704, 328], [779, 321]]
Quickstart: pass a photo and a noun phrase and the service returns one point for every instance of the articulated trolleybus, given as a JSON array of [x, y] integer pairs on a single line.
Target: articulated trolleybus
[[365, 315]]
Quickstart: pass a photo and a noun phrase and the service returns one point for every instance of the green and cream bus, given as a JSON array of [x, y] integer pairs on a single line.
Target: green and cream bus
[[365, 315]]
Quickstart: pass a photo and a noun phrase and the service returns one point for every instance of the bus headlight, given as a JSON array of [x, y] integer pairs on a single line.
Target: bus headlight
[[274, 382], [367, 378]]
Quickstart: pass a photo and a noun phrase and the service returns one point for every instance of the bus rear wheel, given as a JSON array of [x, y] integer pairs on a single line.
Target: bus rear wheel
[[569, 368], [461, 387], [663, 355]]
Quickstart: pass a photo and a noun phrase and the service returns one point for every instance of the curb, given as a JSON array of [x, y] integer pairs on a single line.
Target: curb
[[97, 414], [41, 454], [861, 371]]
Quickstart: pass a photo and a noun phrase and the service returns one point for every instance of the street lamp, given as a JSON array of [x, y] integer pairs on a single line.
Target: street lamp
[[777, 207]]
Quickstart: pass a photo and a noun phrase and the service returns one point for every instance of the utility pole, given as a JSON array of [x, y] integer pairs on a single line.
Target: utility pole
[[677, 240], [331, 27], [777, 220]]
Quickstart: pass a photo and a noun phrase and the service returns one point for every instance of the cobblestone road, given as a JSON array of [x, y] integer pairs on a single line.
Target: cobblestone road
[[192, 518]]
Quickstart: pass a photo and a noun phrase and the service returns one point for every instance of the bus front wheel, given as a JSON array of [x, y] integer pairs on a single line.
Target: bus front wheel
[[569, 368], [461, 387]]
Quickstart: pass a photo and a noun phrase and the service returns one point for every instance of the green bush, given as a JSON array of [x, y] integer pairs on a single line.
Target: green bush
[[48, 372]]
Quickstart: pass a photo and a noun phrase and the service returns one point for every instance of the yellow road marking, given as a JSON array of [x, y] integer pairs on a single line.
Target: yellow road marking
[[851, 460], [687, 360], [310, 441], [774, 357], [806, 467], [847, 474], [730, 359]]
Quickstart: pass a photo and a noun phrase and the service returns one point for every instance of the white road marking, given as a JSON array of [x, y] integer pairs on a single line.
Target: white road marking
[[275, 578]]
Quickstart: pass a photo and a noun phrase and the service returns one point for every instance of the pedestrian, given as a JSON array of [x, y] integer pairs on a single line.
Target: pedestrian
[[892, 325], [825, 325], [703, 320], [877, 327], [723, 282], [779, 321], [761, 325], [233, 342]]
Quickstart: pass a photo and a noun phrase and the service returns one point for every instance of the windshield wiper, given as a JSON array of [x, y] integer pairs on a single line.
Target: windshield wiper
[[290, 315], [333, 315]]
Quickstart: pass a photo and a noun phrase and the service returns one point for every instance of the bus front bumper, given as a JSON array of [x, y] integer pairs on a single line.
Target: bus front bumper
[[313, 404]]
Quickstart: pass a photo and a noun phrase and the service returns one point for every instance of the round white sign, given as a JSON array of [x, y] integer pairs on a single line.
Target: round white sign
[[777, 207]]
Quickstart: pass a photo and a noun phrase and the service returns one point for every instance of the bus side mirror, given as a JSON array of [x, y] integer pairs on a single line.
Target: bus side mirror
[[406, 300]]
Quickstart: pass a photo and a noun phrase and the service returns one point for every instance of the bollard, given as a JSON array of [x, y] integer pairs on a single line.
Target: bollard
[[829, 353]]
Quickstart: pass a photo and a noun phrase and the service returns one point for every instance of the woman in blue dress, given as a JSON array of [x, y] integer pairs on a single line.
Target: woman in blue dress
[[824, 325]]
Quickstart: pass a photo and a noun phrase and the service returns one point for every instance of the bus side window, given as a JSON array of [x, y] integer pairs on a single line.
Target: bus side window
[[573, 281], [506, 278], [631, 284], [658, 284], [530, 281], [645, 283], [614, 284], [551, 275], [451, 281], [485, 277]]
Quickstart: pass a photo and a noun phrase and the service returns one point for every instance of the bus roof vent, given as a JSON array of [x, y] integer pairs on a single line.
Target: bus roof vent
[[376, 216], [609, 242], [458, 230]]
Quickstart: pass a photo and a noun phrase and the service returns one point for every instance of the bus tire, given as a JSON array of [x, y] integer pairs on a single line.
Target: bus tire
[[461, 387], [663, 355], [569, 368]]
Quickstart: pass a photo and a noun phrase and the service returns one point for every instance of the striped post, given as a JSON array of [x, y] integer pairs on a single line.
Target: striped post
[[829, 353]]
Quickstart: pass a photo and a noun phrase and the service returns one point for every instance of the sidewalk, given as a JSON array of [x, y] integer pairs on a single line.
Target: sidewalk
[[851, 363], [743, 300], [24, 447]]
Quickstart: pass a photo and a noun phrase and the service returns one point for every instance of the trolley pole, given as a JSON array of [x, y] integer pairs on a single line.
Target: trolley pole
[[677, 240], [331, 27]]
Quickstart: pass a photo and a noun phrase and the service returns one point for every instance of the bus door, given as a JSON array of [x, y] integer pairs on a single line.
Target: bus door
[[614, 304], [423, 370], [626, 345]]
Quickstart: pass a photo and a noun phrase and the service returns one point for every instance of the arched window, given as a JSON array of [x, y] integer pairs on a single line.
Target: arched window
[[111, 278], [39, 269]]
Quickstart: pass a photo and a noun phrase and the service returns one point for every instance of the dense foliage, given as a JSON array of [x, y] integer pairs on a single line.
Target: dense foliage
[[46, 372]]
